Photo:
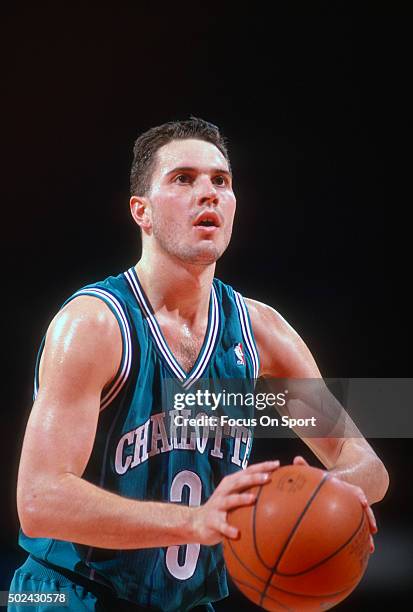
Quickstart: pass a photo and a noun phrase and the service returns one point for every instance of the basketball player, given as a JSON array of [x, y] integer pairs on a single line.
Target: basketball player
[[117, 510]]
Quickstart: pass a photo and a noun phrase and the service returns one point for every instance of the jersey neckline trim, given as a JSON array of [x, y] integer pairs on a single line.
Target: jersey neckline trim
[[204, 357]]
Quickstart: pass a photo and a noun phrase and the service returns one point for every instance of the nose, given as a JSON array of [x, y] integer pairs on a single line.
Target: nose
[[206, 192]]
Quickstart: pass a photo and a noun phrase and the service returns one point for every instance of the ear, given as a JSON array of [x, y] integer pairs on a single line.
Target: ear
[[141, 212]]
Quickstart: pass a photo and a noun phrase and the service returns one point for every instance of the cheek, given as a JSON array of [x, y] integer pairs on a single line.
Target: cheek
[[231, 207], [168, 212]]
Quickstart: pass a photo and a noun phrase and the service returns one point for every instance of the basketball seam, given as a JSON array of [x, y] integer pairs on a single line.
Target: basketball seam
[[278, 588], [245, 566], [257, 552], [259, 592], [309, 569], [294, 529]]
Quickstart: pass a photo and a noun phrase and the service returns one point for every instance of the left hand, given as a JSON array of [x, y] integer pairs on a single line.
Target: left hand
[[361, 496]]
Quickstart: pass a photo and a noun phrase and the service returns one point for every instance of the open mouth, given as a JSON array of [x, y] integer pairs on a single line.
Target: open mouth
[[206, 223], [207, 219]]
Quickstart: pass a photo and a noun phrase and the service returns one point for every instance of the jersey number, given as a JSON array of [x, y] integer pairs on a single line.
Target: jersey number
[[193, 482]]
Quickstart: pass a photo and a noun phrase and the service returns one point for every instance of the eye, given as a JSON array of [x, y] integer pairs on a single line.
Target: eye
[[219, 180], [184, 179]]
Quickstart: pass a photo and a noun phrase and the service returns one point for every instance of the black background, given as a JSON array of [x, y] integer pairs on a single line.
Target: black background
[[313, 100]]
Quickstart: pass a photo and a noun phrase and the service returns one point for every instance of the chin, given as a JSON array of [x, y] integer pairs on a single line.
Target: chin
[[203, 256]]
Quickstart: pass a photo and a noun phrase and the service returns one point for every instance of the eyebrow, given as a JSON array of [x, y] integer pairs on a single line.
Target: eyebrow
[[191, 169]]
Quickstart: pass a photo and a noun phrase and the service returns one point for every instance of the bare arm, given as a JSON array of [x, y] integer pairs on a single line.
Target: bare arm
[[283, 354], [81, 357]]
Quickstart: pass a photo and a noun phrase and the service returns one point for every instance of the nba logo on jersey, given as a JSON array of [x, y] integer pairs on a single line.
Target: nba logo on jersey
[[239, 353]]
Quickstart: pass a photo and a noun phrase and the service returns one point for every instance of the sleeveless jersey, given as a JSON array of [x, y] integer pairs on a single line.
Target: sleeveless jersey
[[139, 453]]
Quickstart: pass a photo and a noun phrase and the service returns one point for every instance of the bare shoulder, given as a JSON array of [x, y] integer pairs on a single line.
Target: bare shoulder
[[88, 311], [83, 336], [283, 353], [85, 320], [263, 315]]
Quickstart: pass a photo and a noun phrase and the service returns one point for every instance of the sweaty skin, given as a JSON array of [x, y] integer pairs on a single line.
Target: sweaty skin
[[177, 266]]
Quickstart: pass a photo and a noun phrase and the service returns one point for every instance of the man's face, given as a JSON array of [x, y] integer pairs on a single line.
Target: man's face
[[191, 200]]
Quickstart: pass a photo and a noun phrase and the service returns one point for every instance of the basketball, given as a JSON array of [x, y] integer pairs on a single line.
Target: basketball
[[304, 544]]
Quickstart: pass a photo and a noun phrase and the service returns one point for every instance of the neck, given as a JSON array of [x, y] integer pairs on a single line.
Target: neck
[[175, 285]]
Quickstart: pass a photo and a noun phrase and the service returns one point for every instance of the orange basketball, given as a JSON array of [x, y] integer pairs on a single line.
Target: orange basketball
[[303, 546]]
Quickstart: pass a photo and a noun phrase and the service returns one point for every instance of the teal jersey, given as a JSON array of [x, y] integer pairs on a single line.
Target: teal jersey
[[140, 453]]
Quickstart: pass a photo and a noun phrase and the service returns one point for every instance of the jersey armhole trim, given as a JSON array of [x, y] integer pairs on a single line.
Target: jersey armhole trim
[[126, 360], [247, 333]]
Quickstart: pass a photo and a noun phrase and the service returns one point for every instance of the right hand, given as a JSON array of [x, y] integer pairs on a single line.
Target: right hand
[[210, 519]]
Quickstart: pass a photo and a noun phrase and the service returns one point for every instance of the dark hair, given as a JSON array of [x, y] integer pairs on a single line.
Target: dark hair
[[146, 146]]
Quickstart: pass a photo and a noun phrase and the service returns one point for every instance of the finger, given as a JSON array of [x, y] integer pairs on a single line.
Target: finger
[[372, 547], [372, 520], [237, 500], [229, 531], [242, 481], [300, 461], [247, 478], [264, 466], [369, 511]]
